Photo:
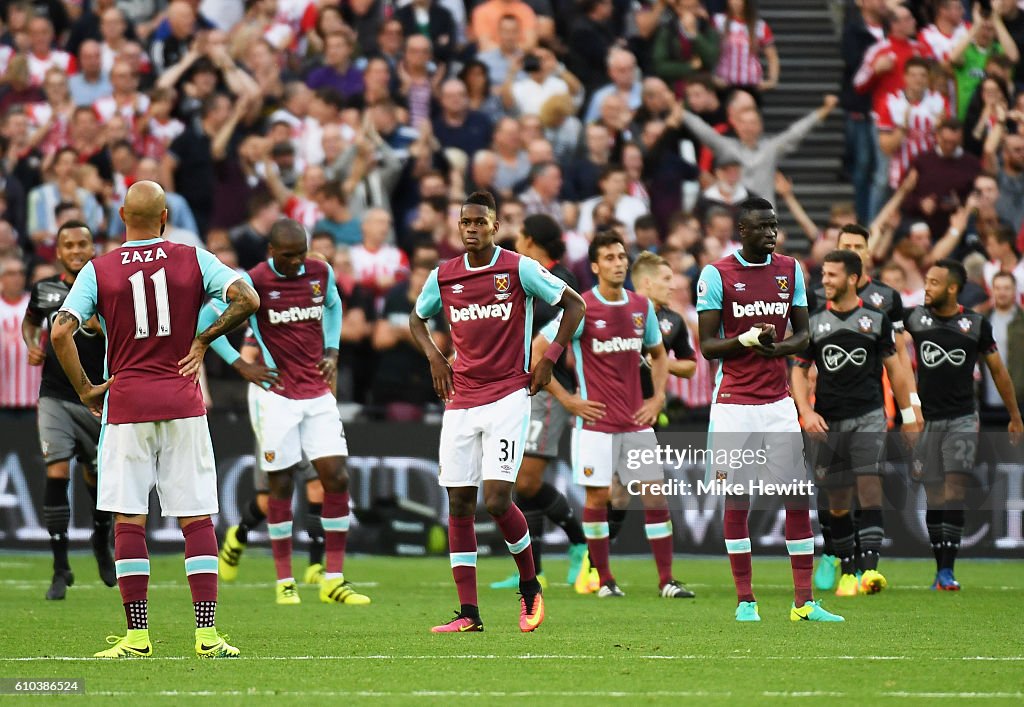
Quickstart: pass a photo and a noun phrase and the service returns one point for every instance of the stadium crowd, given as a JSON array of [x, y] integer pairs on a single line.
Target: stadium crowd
[[369, 121]]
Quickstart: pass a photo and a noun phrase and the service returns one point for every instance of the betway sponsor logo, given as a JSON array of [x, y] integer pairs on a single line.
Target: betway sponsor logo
[[480, 311], [616, 344], [760, 309], [295, 314]]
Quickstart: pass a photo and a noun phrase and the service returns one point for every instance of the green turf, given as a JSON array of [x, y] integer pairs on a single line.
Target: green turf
[[907, 645]]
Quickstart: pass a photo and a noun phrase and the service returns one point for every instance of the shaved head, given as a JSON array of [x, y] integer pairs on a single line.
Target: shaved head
[[145, 207], [286, 232]]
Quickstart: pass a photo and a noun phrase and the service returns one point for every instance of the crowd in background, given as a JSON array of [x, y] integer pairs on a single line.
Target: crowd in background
[[369, 121]]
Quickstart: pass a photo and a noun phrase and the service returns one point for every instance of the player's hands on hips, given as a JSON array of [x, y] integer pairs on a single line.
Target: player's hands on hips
[[815, 426], [35, 356], [256, 373], [1016, 430], [92, 397], [441, 374], [328, 366], [540, 376], [191, 364], [589, 410], [648, 413]]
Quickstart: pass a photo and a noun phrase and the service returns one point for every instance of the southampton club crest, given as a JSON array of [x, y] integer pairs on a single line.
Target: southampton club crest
[[638, 322], [964, 323], [865, 324], [876, 299], [502, 282]]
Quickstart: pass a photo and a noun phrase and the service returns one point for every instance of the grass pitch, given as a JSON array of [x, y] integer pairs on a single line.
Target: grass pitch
[[905, 646]]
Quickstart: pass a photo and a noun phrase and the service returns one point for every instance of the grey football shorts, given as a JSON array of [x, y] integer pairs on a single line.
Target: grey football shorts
[[67, 430], [945, 447], [548, 420], [852, 448]]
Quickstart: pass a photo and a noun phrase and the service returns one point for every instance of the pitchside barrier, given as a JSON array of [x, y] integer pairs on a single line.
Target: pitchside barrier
[[399, 508]]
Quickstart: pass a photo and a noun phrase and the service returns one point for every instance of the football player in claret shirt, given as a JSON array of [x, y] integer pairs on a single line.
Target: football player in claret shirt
[[540, 238], [613, 432], [850, 344], [298, 328], [745, 302], [487, 298], [147, 295], [949, 342], [66, 427]]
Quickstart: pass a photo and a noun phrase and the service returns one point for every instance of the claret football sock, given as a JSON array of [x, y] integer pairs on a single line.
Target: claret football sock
[[279, 525], [737, 544]]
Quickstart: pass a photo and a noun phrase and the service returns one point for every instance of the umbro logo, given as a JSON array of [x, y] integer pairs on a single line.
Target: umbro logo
[[457, 289], [600, 324], [740, 286], [274, 294]]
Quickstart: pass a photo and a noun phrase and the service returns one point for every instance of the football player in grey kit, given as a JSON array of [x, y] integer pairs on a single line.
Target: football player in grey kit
[[949, 340]]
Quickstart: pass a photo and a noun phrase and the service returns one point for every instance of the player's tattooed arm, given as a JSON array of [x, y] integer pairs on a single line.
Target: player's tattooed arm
[[440, 368], [242, 302], [62, 338]]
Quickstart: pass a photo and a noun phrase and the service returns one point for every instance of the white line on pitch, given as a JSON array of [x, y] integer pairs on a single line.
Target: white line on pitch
[[982, 658]]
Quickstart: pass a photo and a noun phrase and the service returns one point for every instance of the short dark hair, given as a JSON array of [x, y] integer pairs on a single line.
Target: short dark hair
[[918, 61], [72, 225], [209, 103], [330, 96], [950, 124], [437, 203], [857, 230], [539, 168], [603, 239], [546, 233], [851, 261], [258, 201], [333, 189], [646, 222], [1007, 275], [751, 204], [957, 272], [482, 198], [321, 235], [610, 169], [417, 260], [63, 206], [286, 229]]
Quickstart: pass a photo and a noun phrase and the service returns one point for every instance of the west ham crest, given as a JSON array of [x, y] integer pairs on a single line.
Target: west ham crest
[[783, 282], [501, 286], [638, 321]]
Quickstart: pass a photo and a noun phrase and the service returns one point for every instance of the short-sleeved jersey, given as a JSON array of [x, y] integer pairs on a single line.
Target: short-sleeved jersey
[[47, 297], [875, 294], [148, 294], [676, 338], [848, 349], [608, 346], [747, 294], [490, 312], [947, 350], [291, 324]]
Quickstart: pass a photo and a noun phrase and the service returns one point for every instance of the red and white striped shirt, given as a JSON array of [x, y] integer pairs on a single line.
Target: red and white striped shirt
[[942, 44], [387, 263], [39, 65], [737, 64], [881, 85], [57, 136], [107, 107], [918, 120], [19, 382], [305, 211], [695, 392]]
